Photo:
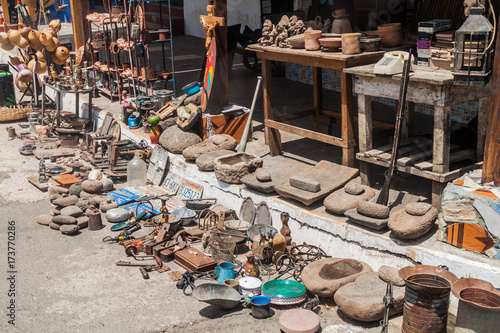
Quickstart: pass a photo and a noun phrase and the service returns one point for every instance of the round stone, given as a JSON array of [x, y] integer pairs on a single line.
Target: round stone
[[75, 189], [107, 184], [57, 190], [64, 219], [54, 226], [417, 208], [116, 215], [387, 273], [354, 189], [82, 221], [176, 140], [217, 142], [69, 229], [67, 201], [72, 211], [103, 198], [105, 206], [44, 219], [262, 175], [84, 194], [299, 321], [374, 210], [92, 186], [407, 226]]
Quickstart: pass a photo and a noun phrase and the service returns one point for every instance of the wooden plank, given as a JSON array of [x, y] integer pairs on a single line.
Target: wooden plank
[[441, 139], [310, 134], [365, 135], [296, 115], [267, 92], [482, 124], [386, 148], [347, 117], [454, 158], [412, 159], [421, 144], [5, 12], [375, 123], [79, 10]]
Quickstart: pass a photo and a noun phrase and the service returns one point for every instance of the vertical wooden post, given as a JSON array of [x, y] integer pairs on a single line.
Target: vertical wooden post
[[79, 12], [347, 118], [365, 134], [5, 12], [221, 37]]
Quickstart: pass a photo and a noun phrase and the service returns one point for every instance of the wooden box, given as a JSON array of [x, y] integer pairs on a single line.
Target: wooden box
[[194, 260], [66, 180], [227, 124]]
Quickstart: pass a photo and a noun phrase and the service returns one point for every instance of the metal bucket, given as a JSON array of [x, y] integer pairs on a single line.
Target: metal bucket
[[478, 306], [162, 97], [427, 298]]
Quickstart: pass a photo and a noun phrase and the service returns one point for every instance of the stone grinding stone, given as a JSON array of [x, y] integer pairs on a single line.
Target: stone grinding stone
[[331, 176], [54, 226], [76, 189], [64, 219], [341, 201], [299, 321], [231, 168], [262, 175], [82, 221], [44, 219], [408, 226], [369, 222], [69, 229], [363, 299], [354, 189], [107, 184], [92, 186], [105, 206], [387, 273], [374, 210], [214, 143], [67, 201], [56, 190], [325, 276], [417, 208], [103, 198], [205, 162], [72, 211], [116, 215], [305, 184], [176, 140]]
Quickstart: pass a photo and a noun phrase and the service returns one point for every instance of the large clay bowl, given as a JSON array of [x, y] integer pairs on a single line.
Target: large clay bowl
[[331, 42], [391, 34]]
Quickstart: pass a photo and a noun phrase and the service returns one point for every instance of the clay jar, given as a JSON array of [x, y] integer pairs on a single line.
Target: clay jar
[[341, 24], [251, 269], [351, 43], [311, 40], [391, 34]]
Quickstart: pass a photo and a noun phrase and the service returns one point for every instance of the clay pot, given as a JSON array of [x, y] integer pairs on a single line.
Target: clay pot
[[341, 23], [311, 40], [351, 43], [371, 44], [391, 34], [251, 269]]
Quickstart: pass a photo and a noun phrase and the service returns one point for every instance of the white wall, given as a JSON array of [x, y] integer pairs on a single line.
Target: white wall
[[246, 12]]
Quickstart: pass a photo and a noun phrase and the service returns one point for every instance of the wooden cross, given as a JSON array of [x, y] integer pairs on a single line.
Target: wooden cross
[[209, 23]]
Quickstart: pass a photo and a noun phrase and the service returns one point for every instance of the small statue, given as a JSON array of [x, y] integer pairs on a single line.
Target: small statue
[[282, 39], [267, 29], [315, 24], [327, 26], [41, 172]]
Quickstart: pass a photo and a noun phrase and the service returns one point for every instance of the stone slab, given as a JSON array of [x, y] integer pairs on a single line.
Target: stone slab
[[369, 222], [331, 176], [305, 184], [490, 217]]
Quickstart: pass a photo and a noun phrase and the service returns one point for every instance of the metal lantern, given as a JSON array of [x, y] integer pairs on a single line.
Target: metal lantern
[[473, 52]]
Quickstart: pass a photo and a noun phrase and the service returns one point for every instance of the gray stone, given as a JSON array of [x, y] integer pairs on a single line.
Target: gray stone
[[107, 184], [418, 208], [354, 189], [72, 211], [67, 201], [325, 276], [217, 142], [56, 190], [167, 122], [44, 219], [82, 221], [54, 226], [75, 189], [116, 215], [374, 210], [54, 197], [92, 186], [363, 299], [387, 273], [490, 217], [194, 98], [262, 175], [64, 219], [85, 203], [231, 168], [69, 229], [342, 328], [366, 221], [105, 206], [103, 198], [176, 140], [205, 162], [341, 201], [55, 211], [408, 226], [305, 184], [84, 194]]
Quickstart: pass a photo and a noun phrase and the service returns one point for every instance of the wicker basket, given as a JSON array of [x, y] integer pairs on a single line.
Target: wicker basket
[[14, 113]]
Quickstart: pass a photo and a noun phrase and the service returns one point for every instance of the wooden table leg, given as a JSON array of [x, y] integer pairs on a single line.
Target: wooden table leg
[[441, 150], [409, 115], [365, 134], [437, 194], [482, 124], [273, 137], [347, 117]]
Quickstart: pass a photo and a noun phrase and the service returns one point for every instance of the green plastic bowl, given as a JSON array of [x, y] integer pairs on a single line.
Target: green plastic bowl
[[284, 292]]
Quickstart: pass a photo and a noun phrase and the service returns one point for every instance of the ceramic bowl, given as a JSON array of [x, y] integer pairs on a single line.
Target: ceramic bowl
[[371, 43], [298, 41], [249, 285], [331, 42]]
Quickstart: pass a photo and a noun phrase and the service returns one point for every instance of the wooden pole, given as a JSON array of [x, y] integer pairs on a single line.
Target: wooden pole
[[221, 37], [491, 164], [79, 11], [5, 12]]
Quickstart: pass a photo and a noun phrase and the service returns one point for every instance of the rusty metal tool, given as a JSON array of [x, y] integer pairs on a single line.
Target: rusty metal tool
[[389, 303], [144, 268]]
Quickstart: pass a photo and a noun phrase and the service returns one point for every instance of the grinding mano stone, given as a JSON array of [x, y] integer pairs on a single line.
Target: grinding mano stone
[[341, 200], [407, 226], [387, 273], [370, 222], [107, 184], [54, 226], [75, 189], [417, 208], [44, 219], [363, 299], [325, 276], [374, 210], [231, 168], [305, 184], [263, 175], [84, 194], [56, 190], [176, 140], [67, 201], [105, 206], [69, 229], [214, 143], [64, 219], [72, 211], [82, 221], [205, 162], [92, 186], [116, 215]]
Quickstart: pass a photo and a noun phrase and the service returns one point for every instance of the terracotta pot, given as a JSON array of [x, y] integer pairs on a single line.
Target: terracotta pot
[[341, 23], [391, 34], [351, 43], [311, 40], [251, 269]]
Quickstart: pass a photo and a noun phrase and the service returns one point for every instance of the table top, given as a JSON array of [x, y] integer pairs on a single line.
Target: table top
[[419, 74], [82, 91]]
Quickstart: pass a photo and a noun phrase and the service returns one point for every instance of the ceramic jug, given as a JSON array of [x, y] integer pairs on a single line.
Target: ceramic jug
[[341, 23]]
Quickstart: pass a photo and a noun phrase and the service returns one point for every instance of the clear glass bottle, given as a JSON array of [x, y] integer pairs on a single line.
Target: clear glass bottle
[[136, 171]]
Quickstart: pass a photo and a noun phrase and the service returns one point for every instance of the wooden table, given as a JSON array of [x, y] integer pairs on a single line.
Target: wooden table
[[318, 60], [427, 86]]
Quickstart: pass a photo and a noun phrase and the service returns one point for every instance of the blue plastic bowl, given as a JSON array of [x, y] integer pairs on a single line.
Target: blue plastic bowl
[[260, 300], [191, 88]]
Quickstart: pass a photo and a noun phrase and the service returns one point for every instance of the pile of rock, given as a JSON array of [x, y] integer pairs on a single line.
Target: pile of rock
[[71, 206]]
